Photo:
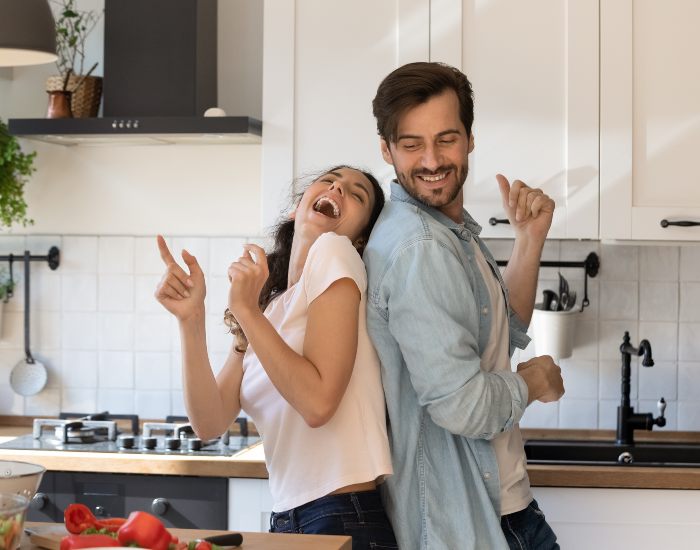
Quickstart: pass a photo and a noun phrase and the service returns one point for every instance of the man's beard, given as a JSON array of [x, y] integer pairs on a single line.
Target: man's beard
[[437, 198]]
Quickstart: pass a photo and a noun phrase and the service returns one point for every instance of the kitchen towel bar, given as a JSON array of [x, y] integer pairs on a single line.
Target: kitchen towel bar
[[591, 265], [53, 258]]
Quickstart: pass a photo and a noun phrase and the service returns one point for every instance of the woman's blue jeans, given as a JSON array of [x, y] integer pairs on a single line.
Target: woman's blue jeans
[[358, 515]]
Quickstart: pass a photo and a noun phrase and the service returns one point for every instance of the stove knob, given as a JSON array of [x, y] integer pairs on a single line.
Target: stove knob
[[194, 444], [39, 501], [160, 506], [149, 442], [125, 441], [100, 511], [172, 443]]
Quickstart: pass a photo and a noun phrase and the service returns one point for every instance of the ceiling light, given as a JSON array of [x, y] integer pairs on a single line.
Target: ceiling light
[[27, 33]]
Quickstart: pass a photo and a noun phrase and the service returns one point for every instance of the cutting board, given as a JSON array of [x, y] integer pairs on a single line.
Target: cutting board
[[49, 535]]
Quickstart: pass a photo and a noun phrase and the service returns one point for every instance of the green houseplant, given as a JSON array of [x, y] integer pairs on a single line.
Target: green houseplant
[[15, 167], [73, 26]]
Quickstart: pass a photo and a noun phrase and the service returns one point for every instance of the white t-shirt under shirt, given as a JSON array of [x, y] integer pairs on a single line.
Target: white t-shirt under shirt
[[306, 463], [510, 453]]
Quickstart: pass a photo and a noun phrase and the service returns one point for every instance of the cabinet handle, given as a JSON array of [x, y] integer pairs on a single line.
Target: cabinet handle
[[682, 223], [160, 506], [39, 501], [496, 221]]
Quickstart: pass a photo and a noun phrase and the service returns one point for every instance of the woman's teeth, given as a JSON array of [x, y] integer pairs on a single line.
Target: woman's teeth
[[327, 207]]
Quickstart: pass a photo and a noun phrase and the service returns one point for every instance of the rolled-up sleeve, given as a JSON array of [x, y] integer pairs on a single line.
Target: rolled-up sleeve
[[434, 320]]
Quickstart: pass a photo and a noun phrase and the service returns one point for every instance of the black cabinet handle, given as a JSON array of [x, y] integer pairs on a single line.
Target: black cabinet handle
[[39, 501], [682, 223], [160, 506], [496, 221]]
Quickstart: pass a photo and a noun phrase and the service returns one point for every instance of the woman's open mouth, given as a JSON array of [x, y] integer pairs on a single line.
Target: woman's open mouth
[[327, 207]]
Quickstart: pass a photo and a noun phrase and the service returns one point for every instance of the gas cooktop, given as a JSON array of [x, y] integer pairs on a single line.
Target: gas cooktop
[[100, 433]]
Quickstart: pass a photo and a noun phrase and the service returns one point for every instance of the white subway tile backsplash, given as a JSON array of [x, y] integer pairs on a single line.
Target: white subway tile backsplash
[[177, 404], [578, 413], [147, 260], [607, 414], [79, 292], [198, 247], [152, 404], [659, 263], [219, 339], [116, 369], [690, 263], [144, 294], [217, 295], [580, 378], [116, 331], [45, 403], [15, 244], [79, 331], [586, 340], [79, 369], [78, 255], [115, 292], [79, 400], [611, 334], [690, 303], [658, 301], [619, 263], [223, 252], [689, 341], [10, 402], [661, 380], [689, 381], [541, 415], [45, 331], [153, 331], [152, 371], [689, 415], [115, 255], [116, 401], [619, 300]]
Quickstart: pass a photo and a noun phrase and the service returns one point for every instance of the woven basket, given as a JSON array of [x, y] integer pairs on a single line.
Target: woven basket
[[85, 101]]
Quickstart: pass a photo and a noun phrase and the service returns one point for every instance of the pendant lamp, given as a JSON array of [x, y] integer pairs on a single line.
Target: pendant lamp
[[27, 33]]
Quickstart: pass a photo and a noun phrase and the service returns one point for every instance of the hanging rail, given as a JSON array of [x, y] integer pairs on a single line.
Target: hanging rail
[[53, 258], [591, 265]]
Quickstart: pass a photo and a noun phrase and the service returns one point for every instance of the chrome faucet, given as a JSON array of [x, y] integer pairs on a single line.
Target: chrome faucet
[[627, 419]]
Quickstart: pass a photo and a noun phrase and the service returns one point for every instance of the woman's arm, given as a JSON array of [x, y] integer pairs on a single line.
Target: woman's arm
[[314, 382]]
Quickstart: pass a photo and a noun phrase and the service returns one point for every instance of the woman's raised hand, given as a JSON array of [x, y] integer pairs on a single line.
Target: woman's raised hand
[[247, 275], [182, 294]]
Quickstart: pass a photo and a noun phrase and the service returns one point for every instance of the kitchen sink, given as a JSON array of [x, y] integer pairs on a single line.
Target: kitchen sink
[[604, 453]]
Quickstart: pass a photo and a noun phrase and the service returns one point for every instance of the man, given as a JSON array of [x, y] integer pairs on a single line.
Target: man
[[445, 324]]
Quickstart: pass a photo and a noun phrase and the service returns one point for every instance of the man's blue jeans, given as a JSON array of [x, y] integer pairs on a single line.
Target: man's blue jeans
[[528, 530], [358, 515]]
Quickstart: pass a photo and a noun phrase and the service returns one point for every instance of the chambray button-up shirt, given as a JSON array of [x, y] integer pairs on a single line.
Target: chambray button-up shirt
[[429, 317]]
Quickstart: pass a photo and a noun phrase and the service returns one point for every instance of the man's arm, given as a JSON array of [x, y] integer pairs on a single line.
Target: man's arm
[[530, 213]]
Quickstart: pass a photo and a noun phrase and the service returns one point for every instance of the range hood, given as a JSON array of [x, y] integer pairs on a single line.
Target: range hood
[[160, 76]]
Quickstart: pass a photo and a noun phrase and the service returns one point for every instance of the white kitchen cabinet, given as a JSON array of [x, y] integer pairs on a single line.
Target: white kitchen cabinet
[[650, 119], [610, 519], [534, 70], [322, 64], [249, 504]]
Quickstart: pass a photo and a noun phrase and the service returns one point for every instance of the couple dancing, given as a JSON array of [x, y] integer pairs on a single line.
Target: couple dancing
[[383, 389]]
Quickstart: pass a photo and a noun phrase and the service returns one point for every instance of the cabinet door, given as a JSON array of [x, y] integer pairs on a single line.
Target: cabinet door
[[650, 119], [534, 70], [323, 62]]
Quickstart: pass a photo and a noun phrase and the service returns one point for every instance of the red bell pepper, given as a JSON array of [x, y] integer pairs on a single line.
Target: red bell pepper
[[144, 530], [79, 518], [71, 542]]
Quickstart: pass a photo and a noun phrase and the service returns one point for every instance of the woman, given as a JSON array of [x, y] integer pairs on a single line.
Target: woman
[[302, 365]]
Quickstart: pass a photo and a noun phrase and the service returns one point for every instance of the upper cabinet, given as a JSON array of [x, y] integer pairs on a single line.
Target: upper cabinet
[[650, 119], [534, 70]]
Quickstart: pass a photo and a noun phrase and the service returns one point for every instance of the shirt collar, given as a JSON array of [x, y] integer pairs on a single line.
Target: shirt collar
[[465, 230]]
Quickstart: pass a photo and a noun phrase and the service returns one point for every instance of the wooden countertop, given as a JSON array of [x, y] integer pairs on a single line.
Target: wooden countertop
[[250, 463], [251, 541]]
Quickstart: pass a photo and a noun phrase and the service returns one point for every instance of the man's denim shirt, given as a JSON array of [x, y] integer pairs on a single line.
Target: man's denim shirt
[[429, 317]]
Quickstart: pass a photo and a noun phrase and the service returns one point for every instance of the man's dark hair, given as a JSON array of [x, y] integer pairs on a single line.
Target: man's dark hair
[[413, 84]]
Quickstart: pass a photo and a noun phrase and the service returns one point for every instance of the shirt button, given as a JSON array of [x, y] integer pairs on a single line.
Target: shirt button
[[487, 475], [484, 310]]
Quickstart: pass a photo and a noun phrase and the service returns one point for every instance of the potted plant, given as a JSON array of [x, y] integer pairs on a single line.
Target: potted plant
[[15, 167], [73, 26]]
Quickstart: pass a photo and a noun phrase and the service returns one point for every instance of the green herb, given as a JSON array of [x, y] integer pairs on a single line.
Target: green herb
[[72, 28], [15, 166]]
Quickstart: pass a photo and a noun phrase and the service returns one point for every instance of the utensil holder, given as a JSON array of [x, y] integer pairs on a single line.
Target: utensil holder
[[553, 332]]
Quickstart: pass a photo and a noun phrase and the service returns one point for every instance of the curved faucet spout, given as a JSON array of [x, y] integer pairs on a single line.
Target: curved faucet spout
[[645, 349]]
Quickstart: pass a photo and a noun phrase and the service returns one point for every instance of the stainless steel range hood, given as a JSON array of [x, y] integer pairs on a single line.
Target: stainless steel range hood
[[160, 76]]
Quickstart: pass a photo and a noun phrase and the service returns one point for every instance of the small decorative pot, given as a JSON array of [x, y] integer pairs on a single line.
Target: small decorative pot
[[85, 100]]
